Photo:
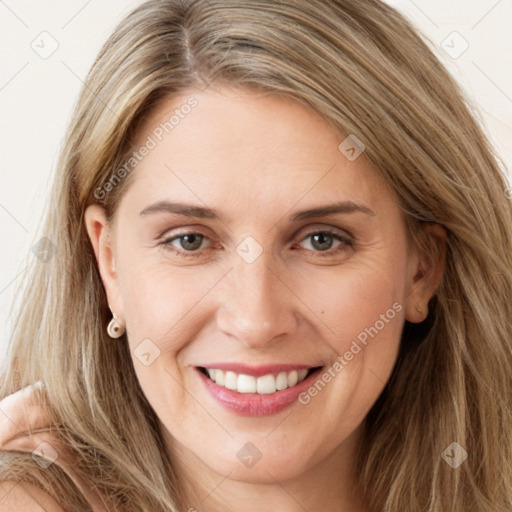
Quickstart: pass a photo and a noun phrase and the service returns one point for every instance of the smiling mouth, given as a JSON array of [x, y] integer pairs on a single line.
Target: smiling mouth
[[263, 385]]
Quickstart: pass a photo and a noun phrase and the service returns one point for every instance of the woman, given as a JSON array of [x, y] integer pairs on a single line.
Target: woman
[[282, 276]]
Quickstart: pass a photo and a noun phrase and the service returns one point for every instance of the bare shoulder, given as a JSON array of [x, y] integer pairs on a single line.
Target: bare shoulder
[[16, 496]]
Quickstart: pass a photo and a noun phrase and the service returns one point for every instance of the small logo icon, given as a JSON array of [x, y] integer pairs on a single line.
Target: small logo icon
[[454, 44], [249, 455], [45, 45], [44, 250], [146, 352], [351, 147], [45, 454], [249, 249], [454, 455]]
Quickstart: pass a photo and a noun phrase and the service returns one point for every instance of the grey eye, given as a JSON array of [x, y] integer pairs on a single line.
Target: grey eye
[[190, 242]]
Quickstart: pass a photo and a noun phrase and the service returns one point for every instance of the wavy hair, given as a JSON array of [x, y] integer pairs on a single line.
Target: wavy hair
[[367, 71]]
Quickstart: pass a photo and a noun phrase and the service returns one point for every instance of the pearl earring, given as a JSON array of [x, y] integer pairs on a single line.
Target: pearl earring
[[114, 328]]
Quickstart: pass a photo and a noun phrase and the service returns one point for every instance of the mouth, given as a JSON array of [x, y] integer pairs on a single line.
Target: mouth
[[271, 383]]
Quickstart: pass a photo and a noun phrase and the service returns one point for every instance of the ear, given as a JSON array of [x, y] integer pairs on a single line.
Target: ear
[[101, 236], [425, 271]]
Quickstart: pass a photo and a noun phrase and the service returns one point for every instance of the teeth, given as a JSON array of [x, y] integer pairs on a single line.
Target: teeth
[[246, 384], [282, 381], [231, 380], [302, 374], [264, 385], [293, 378], [219, 377]]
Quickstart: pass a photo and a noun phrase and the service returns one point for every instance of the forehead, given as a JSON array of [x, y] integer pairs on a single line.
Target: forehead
[[254, 146]]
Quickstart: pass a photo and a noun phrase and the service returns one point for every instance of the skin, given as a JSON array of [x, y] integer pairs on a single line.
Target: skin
[[256, 159], [26, 497]]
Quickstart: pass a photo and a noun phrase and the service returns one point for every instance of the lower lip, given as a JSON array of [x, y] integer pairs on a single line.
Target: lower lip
[[253, 404]]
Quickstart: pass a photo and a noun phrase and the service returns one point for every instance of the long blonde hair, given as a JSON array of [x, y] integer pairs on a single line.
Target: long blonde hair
[[364, 68]]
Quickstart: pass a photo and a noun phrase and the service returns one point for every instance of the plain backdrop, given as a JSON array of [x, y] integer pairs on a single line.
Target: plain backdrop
[[48, 47]]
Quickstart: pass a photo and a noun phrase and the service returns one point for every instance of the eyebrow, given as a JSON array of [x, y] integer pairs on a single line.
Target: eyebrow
[[189, 210]]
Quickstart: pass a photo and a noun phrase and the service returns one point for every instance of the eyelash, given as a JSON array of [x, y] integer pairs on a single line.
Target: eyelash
[[347, 242]]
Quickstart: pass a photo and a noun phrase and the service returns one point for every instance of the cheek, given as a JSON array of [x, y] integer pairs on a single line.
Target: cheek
[[362, 318], [160, 301], [356, 298], [362, 313]]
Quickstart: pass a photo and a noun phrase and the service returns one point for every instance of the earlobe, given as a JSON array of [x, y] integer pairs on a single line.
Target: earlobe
[[426, 272], [99, 233]]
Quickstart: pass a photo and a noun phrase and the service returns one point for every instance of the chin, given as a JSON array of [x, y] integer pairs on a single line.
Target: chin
[[259, 461]]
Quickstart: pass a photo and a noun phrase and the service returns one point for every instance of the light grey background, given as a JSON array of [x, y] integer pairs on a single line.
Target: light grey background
[[38, 91]]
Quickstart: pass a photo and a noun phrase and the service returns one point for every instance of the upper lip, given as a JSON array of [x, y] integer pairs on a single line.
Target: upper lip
[[258, 371]]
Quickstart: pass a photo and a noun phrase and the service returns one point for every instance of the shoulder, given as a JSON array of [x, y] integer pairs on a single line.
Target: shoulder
[[15, 496]]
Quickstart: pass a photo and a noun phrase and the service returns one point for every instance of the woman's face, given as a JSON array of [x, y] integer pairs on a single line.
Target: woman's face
[[253, 275]]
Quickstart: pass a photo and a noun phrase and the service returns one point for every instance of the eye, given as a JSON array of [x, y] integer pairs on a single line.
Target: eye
[[186, 243], [189, 244], [323, 240]]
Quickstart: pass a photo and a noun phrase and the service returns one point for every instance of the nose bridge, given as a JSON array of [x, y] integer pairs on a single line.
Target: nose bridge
[[256, 306]]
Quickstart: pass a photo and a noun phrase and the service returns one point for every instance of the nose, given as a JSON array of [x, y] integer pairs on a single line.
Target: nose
[[257, 306]]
